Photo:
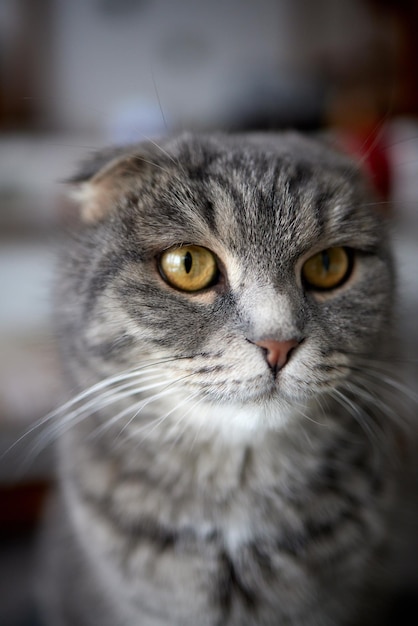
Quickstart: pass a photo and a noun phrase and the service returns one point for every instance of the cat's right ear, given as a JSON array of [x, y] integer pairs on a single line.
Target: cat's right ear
[[102, 180]]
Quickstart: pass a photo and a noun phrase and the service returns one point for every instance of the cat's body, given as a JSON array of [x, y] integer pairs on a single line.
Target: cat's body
[[236, 467]]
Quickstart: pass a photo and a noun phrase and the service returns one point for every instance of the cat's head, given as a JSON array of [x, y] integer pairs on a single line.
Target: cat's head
[[228, 270]]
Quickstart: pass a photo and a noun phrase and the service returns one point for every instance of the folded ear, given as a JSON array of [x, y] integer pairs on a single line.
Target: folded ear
[[103, 179]]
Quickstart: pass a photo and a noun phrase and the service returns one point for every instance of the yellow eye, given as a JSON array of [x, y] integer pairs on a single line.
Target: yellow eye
[[189, 268], [327, 269]]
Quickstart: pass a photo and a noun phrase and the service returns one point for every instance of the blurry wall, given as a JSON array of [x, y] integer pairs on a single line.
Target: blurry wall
[[191, 57], [106, 65]]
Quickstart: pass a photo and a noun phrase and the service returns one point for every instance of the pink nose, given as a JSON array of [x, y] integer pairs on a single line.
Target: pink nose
[[277, 352]]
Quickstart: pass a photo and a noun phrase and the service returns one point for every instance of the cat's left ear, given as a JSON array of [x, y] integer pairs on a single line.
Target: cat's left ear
[[102, 180]]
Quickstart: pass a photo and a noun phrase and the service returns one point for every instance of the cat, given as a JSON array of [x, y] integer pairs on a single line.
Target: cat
[[225, 312]]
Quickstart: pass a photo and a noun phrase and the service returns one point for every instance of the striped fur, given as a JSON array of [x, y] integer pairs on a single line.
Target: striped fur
[[196, 487]]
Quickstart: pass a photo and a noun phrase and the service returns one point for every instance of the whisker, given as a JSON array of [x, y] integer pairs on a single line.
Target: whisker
[[107, 382], [136, 407], [299, 406], [146, 372], [198, 430], [70, 420], [184, 416], [164, 417], [113, 395], [362, 418], [372, 398], [90, 391], [106, 400], [142, 159], [381, 370], [373, 138], [382, 374], [163, 151], [157, 93], [139, 406]]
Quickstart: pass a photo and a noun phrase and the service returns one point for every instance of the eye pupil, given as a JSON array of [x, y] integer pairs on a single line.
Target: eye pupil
[[188, 261], [326, 260]]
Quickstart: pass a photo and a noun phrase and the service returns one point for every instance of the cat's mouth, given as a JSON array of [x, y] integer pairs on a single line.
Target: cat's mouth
[[261, 374], [259, 387]]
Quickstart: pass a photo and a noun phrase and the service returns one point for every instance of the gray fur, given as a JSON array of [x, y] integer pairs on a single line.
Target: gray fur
[[234, 497]]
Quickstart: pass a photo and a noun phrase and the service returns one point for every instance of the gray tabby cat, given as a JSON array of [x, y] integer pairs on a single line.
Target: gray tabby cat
[[227, 304]]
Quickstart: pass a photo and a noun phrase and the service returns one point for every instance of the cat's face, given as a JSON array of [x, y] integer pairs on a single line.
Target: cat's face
[[196, 254]]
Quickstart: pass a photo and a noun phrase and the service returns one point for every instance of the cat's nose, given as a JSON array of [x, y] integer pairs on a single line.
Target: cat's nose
[[277, 352]]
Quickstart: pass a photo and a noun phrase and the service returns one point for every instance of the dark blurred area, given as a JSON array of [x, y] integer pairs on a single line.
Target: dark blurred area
[[76, 75]]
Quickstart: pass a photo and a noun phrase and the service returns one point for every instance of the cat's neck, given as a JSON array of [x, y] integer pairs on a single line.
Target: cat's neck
[[213, 486], [224, 445]]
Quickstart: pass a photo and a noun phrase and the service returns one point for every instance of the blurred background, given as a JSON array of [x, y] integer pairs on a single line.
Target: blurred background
[[76, 75]]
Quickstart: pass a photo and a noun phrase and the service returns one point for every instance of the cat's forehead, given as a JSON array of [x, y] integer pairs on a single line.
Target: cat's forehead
[[252, 152], [267, 193], [268, 197]]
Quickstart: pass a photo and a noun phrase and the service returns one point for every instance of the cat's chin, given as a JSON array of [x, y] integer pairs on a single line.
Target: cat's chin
[[237, 421]]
